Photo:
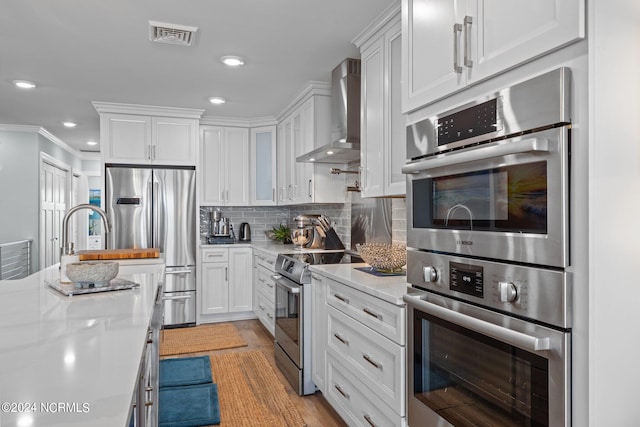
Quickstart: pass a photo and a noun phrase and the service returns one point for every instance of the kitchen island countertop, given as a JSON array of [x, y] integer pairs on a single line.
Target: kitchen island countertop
[[390, 288], [71, 361]]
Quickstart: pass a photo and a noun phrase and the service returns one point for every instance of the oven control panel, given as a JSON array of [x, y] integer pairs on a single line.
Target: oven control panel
[[466, 278], [533, 293]]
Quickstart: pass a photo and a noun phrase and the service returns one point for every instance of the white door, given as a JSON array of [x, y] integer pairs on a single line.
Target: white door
[[54, 190], [237, 166], [174, 141], [241, 283], [263, 166], [211, 166], [215, 288], [396, 157], [127, 137]]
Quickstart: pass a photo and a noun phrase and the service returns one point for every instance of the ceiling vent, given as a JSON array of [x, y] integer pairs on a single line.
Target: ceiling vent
[[162, 32]]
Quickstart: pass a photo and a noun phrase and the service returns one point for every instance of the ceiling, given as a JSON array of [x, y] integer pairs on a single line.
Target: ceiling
[[96, 50]]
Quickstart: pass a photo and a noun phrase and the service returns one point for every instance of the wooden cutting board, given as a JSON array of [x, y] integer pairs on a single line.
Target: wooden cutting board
[[119, 254]]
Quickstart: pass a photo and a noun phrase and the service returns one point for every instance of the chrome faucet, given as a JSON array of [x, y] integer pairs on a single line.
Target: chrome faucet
[[67, 246]]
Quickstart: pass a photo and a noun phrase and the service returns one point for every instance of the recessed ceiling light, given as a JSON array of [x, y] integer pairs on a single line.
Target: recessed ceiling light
[[217, 100], [23, 84], [312, 159], [92, 143], [329, 153], [232, 61], [69, 124]]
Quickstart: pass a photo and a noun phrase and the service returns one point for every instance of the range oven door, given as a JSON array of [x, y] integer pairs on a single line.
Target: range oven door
[[288, 326], [503, 200], [471, 366]]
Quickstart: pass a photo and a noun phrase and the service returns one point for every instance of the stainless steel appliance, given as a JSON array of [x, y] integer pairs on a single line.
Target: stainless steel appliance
[[293, 315], [498, 353], [345, 117], [221, 231], [489, 312], [155, 208], [244, 235], [312, 231], [490, 178]]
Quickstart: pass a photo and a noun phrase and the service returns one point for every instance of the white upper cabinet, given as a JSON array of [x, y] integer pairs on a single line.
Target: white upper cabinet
[[224, 166], [133, 134], [382, 144], [263, 166], [305, 127], [448, 45]]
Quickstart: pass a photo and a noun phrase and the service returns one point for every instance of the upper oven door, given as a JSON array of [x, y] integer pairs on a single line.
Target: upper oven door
[[467, 365], [504, 200]]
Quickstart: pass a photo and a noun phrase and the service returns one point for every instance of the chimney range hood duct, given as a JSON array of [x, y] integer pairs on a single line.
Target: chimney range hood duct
[[345, 117]]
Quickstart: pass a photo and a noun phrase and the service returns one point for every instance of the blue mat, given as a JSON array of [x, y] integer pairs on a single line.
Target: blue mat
[[185, 371], [189, 406]]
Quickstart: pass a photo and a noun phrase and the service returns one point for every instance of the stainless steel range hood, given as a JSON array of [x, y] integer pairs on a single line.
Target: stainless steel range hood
[[345, 119]]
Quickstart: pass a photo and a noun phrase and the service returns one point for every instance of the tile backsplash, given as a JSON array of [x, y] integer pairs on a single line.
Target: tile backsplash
[[262, 218]]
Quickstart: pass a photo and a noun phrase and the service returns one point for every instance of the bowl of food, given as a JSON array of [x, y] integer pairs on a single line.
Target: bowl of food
[[92, 274], [385, 257]]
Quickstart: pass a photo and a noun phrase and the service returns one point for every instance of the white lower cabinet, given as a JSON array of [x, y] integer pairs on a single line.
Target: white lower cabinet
[[359, 353], [225, 283], [264, 290]]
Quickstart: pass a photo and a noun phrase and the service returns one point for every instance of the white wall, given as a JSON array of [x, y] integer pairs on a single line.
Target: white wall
[[614, 210]]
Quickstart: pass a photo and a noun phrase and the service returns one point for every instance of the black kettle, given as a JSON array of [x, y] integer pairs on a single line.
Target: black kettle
[[245, 232]]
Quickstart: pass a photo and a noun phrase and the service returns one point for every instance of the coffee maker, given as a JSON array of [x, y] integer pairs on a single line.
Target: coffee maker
[[221, 231]]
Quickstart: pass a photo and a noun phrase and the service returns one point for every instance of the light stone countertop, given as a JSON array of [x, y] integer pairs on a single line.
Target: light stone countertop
[[71, 361], [390, 289]]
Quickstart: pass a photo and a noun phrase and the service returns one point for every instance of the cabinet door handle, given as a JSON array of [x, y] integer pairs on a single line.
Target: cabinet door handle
[[341, 298], [270, 316], [154, 152], [214, 255], [368, 419], [371, 361], [261, 307], [467, 41], [273, 194], [342, 340], [226, 275], [309, 188], [457, 28], [371, 313], [342, 392]]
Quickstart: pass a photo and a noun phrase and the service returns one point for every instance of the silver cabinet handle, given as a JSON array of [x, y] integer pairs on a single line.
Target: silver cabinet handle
[[467, 41], [371, 313], [342, 340], [226, 199], [342, 392], [371, 361], [309, 188], [154, 152], [368, 419], [214, 255], [262, 307], [341, 298], [457, 28], [273, 194], [270, 316], [226, 274], [509, 336], [271, 285]]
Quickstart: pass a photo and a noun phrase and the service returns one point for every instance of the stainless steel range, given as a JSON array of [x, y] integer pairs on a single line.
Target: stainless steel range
[[293, 314]]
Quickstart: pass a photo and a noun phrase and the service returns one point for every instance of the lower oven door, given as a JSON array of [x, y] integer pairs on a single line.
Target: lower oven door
[[470, 366], [289, 318]]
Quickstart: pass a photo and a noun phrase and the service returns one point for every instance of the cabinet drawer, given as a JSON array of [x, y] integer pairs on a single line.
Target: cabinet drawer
[[350, 399], [381, 316], [215, 255], [266, 260], [376, 360], [265, 310], [265, 283]]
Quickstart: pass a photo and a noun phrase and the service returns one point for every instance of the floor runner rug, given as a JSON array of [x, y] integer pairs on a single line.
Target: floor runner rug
[[250, 393], [215, 336]]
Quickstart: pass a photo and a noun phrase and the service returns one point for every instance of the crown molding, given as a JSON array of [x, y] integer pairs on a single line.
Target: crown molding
[[387, 15], [146, 110], [310, 89], [82, 155], [238, 122]]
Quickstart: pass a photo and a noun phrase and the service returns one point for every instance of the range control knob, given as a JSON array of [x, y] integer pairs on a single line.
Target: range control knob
[[430, 274], [508, 291]]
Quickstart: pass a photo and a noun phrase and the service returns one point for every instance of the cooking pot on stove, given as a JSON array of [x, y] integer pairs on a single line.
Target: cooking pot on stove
[[244, 235]]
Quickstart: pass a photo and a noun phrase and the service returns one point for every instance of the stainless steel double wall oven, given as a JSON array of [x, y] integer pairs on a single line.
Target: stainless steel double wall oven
[[489, 312]]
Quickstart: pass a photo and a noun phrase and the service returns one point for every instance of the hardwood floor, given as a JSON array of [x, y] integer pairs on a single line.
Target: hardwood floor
[[314, 409]]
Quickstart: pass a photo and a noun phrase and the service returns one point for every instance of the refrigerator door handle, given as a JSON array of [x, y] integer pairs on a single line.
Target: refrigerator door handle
[[157, 213], [179, 272]]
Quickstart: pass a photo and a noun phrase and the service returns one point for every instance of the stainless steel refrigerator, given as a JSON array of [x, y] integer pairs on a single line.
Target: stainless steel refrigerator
[[156, 208]]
